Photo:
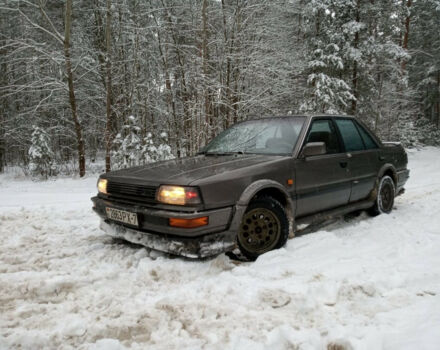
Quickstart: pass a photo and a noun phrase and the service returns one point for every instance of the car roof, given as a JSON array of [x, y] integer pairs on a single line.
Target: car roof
[[308, 116], [330, 116]]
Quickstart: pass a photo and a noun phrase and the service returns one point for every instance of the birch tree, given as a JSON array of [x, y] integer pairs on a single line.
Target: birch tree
[[72, 98]]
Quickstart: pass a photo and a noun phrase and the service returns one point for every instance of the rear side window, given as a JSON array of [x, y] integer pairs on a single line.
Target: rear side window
[[350, 135], [324, 131], [368, 140]]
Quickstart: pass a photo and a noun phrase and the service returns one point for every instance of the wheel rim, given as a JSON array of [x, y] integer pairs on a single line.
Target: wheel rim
[[386, 197], [259, 231]]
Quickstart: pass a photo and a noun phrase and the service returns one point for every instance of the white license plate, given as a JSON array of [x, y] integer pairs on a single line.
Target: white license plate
[[122, 216]]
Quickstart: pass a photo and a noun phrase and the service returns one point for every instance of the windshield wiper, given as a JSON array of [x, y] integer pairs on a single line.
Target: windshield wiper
[[220, 153]]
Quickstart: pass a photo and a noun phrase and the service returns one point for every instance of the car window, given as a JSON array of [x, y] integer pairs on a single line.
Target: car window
[[268, 133], [324, 131], [350, 135], [368, 140], [264, 136]]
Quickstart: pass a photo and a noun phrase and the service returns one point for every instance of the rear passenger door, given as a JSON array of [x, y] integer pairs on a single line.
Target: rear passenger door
[[362, 151], [322, 181]]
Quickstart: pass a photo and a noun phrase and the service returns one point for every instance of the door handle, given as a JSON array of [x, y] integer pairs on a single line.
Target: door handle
[[381, 158], [343, 164]]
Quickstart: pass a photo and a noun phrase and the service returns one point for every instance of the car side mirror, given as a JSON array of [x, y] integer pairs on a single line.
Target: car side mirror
[[313, 149]]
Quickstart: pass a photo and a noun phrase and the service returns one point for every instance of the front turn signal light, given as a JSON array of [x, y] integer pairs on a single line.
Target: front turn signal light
[[189, 223], [102, 186], [178, 195]]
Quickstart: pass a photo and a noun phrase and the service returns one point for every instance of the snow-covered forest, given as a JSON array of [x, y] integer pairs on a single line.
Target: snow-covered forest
[[82, 79]]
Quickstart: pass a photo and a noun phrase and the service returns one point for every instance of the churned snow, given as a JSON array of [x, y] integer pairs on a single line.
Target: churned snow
[[366, 283]]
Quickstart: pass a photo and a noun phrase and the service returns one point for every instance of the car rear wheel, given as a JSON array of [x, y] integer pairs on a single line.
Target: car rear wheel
[[386, 192], [264, 227]]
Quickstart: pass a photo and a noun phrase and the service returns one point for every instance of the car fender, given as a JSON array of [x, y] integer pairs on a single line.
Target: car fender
[[383, 169], [252, 190]]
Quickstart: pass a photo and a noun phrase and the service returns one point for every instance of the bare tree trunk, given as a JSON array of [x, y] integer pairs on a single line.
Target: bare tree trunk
[[187, 122], [171, 105], [72, 99], [108, 125], [207, 95], [438, 99], [379, 98], [3, 70], [406, 35], [229, 44], [236, 69], [2, 143], [355, 67]]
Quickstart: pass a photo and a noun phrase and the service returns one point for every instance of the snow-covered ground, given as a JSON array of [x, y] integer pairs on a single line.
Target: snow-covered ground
[[370, 283]]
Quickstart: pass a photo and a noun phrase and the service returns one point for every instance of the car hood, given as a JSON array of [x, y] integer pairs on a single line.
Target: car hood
[[184, 171]]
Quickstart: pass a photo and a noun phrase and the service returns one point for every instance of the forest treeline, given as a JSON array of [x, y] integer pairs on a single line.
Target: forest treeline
[[78, 71]]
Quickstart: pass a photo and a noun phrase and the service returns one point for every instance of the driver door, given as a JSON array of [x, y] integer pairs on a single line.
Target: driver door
[[322, 181]]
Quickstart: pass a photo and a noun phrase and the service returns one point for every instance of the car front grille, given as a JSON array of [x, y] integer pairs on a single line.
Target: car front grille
[[138, 193]]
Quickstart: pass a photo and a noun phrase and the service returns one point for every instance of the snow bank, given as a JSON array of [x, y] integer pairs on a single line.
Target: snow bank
[[369, 283]]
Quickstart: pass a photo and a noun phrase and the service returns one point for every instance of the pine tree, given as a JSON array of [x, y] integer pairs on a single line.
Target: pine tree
[[149, 150], [164, 149], [40, 154], [328, 91], [128, 148], [424, 68]]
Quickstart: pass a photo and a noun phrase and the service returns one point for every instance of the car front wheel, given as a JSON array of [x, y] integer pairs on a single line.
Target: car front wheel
[[264, 227], [385, 196]]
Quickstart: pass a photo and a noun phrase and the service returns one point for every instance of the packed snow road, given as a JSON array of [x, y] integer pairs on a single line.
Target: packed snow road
[[369, 283]]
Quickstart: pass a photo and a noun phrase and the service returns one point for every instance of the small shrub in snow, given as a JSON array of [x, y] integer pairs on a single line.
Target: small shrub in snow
[[41, 157], [131, 151], [128, 148], [149, 150], [164, 149], [418, 133]]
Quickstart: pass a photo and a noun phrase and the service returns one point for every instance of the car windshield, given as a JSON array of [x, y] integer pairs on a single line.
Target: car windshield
[[275, 136]]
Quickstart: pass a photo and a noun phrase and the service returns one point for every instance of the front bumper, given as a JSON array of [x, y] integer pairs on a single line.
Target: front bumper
[[201, 247], [402, 177], [154, 231]]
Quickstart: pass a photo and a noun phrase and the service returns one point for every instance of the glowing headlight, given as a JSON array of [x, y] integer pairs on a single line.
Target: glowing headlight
[[178, 195], [102, 186]]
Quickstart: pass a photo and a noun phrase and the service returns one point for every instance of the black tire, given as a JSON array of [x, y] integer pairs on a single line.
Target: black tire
[[386, 191], [264, 227]]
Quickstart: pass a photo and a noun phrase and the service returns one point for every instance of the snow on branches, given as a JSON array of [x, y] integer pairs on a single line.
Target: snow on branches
[[132, 149]]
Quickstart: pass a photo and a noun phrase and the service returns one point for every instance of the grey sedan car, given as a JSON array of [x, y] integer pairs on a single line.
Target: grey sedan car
[[252, 185]]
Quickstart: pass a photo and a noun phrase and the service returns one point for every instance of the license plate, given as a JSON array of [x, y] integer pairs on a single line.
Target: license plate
[[122, 216]]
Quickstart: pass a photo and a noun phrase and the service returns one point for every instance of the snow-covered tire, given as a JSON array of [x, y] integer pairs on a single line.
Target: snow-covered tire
[[386, 191], [264, 227]]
